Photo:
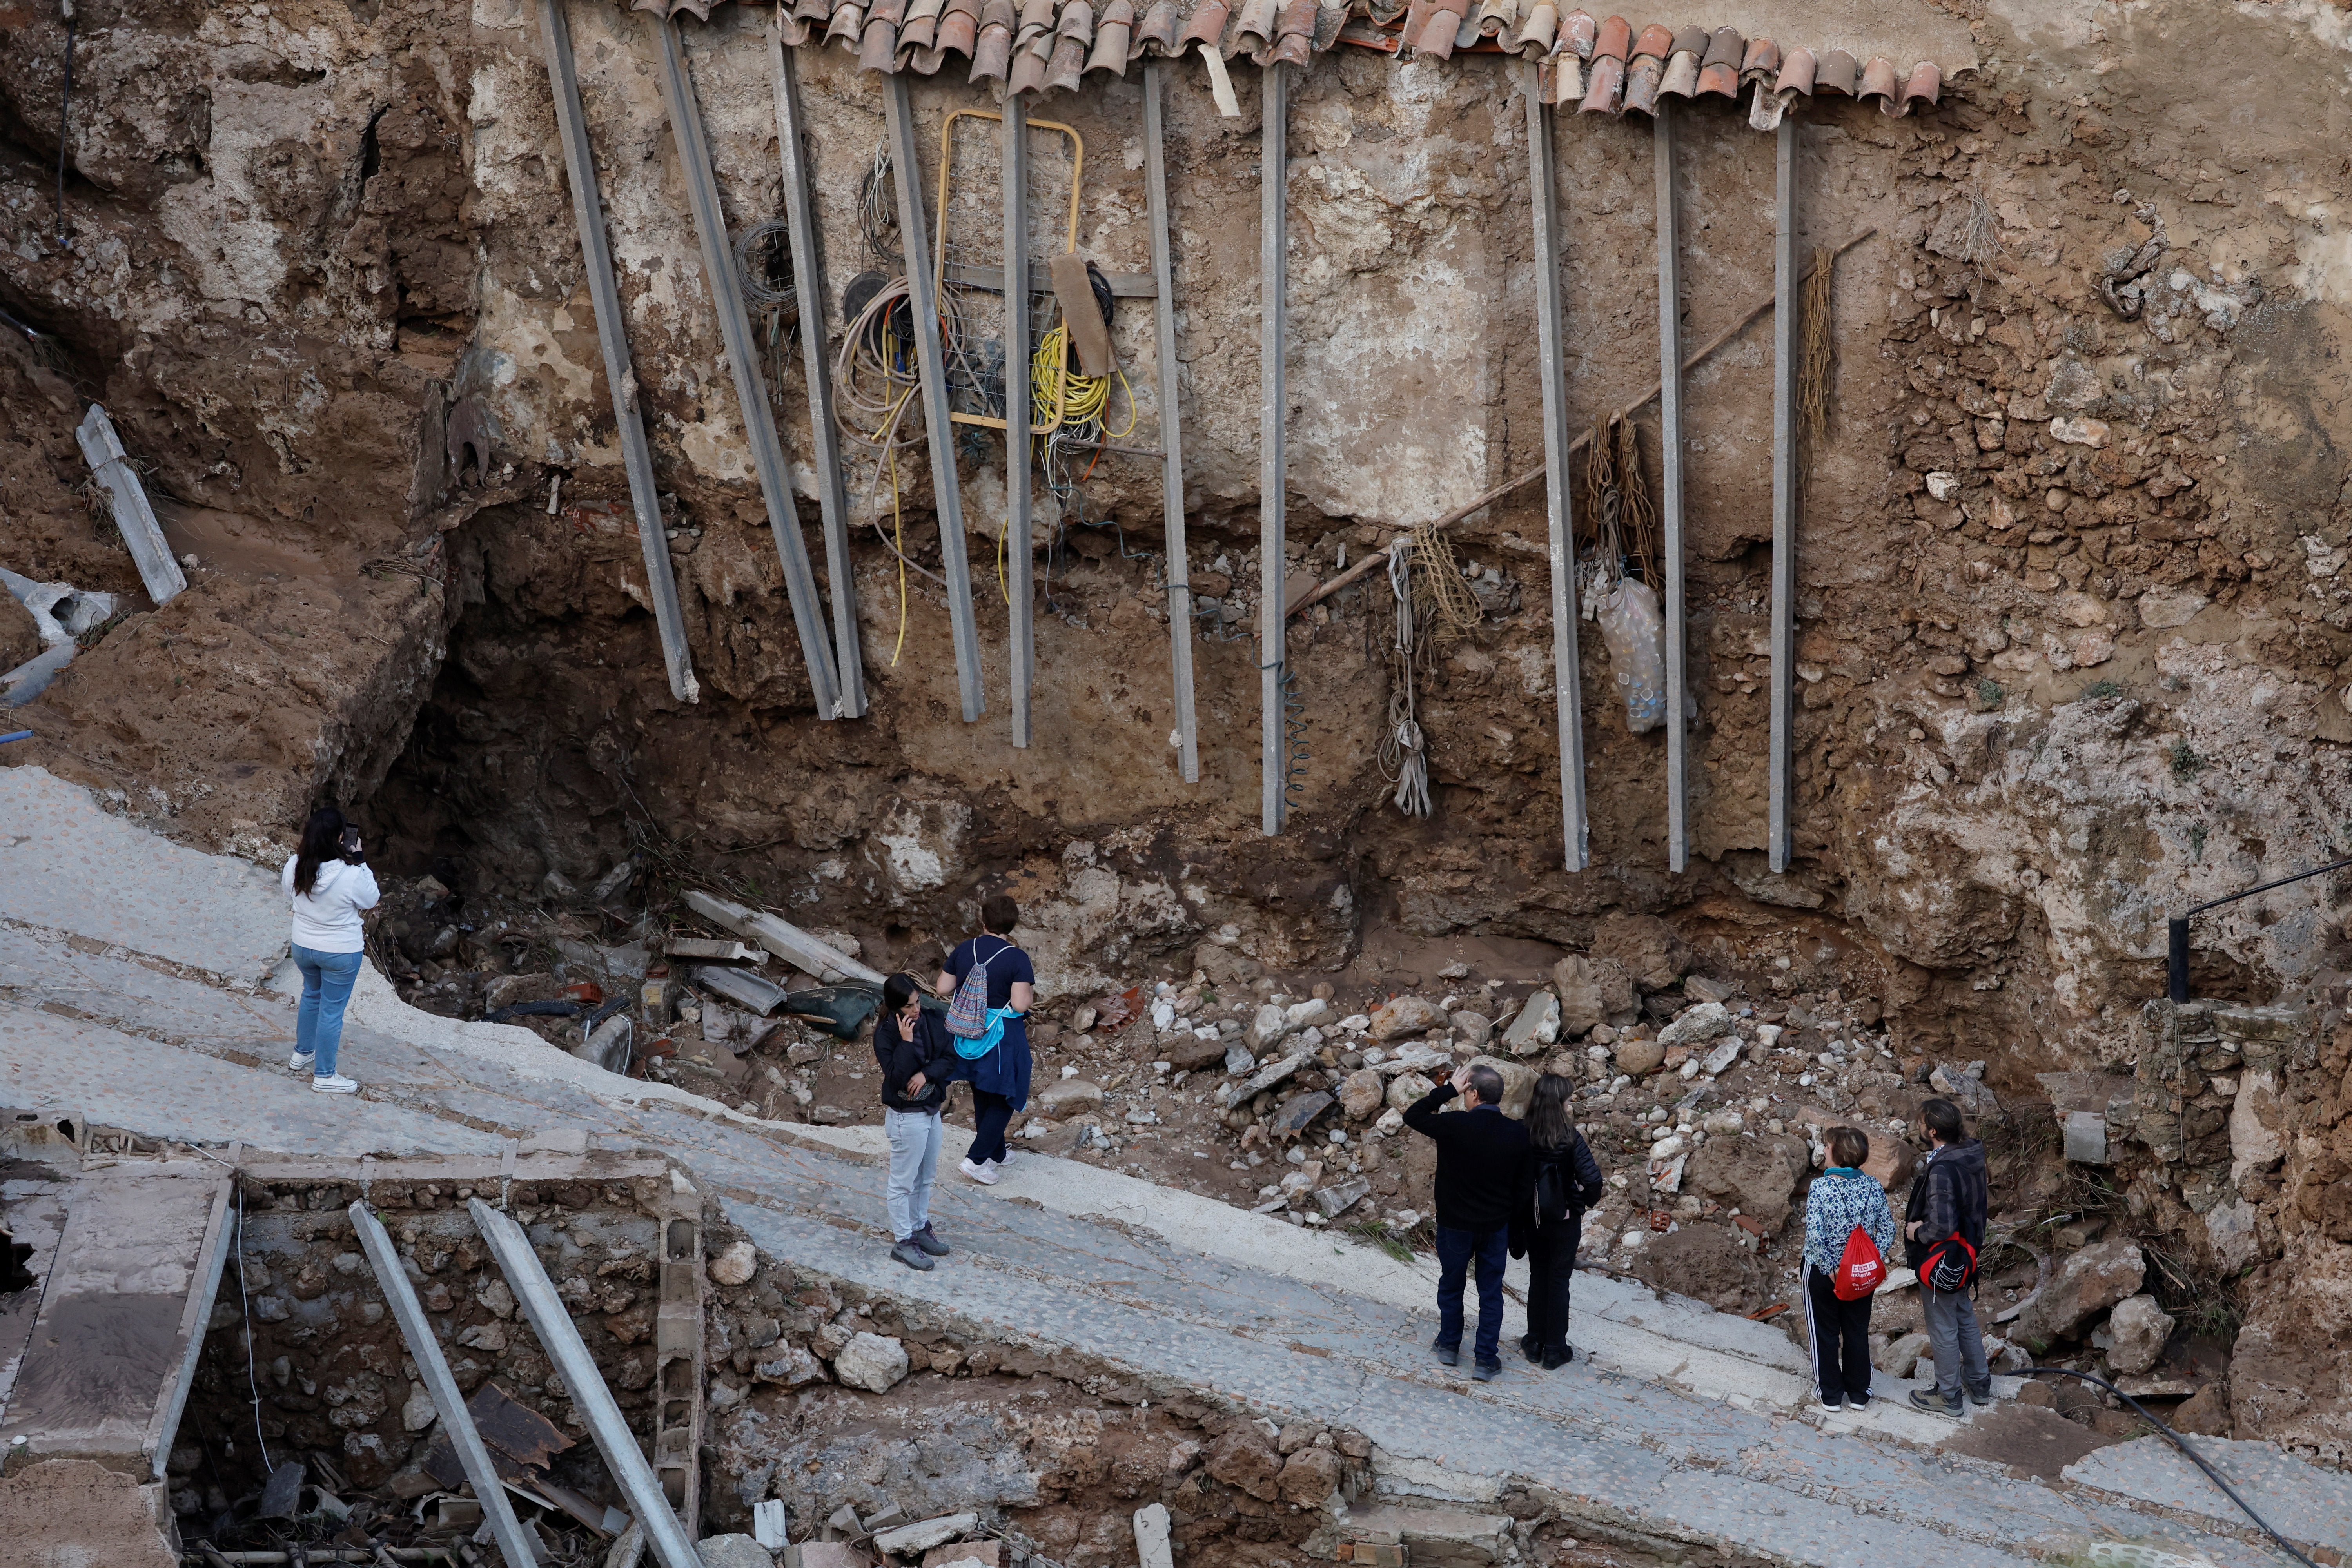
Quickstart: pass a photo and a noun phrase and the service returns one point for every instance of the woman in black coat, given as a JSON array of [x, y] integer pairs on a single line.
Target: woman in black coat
[[1566, 1183]]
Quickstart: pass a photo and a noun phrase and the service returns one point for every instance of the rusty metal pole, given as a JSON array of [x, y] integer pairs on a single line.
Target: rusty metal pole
[[930, 366], [1670, 447], [1552, 371], [808, 283], [1016, 183], [613, 339], [1784, 488], [1172, 473], [743, 364], [1273, 571]]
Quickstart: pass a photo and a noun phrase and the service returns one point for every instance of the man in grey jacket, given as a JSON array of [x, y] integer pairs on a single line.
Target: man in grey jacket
[[1944, 1226]]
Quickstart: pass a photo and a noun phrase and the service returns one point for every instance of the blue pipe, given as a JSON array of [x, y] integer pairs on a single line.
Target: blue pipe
[[16, 735]]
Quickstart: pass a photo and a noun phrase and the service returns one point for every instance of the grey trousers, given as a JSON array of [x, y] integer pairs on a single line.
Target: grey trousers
[[1954, 1341]]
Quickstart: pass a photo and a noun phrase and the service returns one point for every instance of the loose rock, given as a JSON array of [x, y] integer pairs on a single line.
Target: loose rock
[[1696, 1026], [736, 1265], [1537, 1026], [1360, 1094], [871, 1362], [2081, 1287], [1404, 1016], [2140, 1327], [1644, 946], [1638, 1056], [1068, 1098]]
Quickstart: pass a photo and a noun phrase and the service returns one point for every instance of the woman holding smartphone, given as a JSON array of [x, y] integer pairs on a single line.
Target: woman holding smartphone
[[328, 883]]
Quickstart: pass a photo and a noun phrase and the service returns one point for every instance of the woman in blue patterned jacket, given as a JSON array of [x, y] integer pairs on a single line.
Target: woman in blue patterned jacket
[[1842, 1200]]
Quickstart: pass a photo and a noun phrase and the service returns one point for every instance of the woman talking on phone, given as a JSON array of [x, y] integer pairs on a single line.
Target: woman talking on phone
[[328, 883]]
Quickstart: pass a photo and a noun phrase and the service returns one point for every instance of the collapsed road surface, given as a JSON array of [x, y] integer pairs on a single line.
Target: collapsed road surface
[[154, 1027]]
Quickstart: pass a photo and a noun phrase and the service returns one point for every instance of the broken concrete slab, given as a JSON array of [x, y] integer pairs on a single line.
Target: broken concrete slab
[[133, 516], [909, 1539], [1537, 1026], [1153, 1547], [741, 987]]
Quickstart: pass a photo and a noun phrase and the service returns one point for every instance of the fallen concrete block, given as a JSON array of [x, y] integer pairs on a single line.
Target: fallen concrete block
[[1152, 1546], [1537, 1026], [714, 950], [909, 1539], [102, 450], [745, 990], [733, 1552], [783, 937]]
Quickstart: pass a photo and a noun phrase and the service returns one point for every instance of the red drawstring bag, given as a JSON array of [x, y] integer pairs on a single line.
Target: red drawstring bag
[[1860, 1269]]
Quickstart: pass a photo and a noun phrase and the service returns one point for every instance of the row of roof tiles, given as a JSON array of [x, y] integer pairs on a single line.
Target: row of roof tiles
[[1042, 47]]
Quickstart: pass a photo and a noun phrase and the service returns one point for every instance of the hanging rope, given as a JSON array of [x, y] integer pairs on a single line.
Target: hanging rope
[[1604, 503], [1444, 601], [1402, 757], [1813, 353], [1640, 516]]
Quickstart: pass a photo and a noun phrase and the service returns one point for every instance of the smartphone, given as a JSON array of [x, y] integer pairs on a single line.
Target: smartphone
[[350, 841]]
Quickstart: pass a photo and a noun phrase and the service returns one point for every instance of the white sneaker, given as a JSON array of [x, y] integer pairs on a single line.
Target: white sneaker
[[298, 1062], [338, 1084], [984, 1174]]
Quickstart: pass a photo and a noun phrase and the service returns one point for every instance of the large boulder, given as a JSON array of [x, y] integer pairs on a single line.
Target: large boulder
[[2140, 1328], [1537, 1026], [872, 1363], [1638, 1056], [1644, 946], [1225, 966], [1405, 1016], [1754, 1174], [1591, 991], [1696, 1026], [1473, 1028], [1310, 1476], [1244, 1458], [1069, 1096], [1360, 1094], [1518, 1083], [1407, 1088], [2080, 1289]]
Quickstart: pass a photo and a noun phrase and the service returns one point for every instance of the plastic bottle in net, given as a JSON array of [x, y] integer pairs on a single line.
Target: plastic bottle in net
[[1634, 627]]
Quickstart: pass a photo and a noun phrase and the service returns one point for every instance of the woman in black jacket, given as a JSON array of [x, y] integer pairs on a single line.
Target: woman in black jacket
[[1566, 1183], [916, 1058]]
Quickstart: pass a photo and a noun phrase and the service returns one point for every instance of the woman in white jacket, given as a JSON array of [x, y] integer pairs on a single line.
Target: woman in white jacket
[[329, 882]]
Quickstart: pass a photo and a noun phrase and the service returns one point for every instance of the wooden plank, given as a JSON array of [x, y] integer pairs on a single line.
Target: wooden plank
[[783, 937], [1014, 180], [1670, 445], [923, 304], [1784, 487], [816, 363], [134, 518], [1543, 180], [1274, 159], [743, 365], [613, 338], [1172, 476]]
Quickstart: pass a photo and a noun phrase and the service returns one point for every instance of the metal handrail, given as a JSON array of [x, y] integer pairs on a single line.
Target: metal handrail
[[2176, 960]]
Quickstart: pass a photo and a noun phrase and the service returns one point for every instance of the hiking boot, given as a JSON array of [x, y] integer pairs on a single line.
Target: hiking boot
[[930, 1242], [1831, 1401], [1558, 1356], [1531, 1347], [300, 1062], [335, 1084], [908, 1253], [1487, 1371], [1980, 1396], [1449, 1355], [1931, 1399], [984, 1174]]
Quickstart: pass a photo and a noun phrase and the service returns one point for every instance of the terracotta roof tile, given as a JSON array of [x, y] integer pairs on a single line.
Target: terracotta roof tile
[[1039, 47], [1718, 69], [1926, 86], [1879, 81]]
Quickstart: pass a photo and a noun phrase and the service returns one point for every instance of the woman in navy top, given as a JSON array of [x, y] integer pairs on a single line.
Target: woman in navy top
[[1000, 1077]]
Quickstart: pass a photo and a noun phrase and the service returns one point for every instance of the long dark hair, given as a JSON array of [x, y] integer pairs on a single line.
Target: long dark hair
[[1550, 1126], [322, 842]]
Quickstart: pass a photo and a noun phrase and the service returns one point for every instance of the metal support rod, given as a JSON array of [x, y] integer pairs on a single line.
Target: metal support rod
[[561, 1340], [1778, 844], [1171, 481], [448, 1400], [611, 336], [743, 362], [808, 283], [1670, 510], [2176, 966], [1017, 440], [1273, 161], [930, 364], [1552, 370]]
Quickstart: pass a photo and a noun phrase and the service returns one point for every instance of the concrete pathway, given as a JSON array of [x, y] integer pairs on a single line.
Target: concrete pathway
[[1683, 1421]]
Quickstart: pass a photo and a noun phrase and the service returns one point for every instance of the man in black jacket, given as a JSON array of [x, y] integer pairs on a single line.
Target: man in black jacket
[[1943, 1231], [1483, 1180], [917, 1056]]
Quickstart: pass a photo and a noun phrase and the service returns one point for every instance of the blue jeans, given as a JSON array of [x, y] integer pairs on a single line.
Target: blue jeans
[[1456, 1249], [327, 982]]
